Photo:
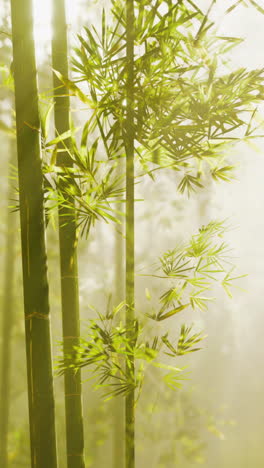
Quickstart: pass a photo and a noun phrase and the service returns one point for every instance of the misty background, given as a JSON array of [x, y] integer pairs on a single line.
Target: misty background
[[222, 401]]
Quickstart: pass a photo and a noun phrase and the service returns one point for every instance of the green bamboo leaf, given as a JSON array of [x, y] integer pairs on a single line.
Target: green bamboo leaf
[[45, 119], [119, 307], [59, 139], [165, 340], [75, 90], [172, 312], [224, 173], [53, 158], [257, 6]]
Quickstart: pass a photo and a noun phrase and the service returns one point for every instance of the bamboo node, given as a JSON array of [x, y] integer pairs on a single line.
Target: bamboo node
[[71, 337], [37, 315], [75, 455], [69, 276]]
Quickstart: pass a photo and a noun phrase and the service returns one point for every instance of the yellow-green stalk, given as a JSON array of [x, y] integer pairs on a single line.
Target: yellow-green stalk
[[130, 248], [68, 247], [35, 281]]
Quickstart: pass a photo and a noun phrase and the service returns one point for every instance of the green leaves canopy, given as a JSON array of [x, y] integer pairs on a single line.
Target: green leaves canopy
[[189, 108]]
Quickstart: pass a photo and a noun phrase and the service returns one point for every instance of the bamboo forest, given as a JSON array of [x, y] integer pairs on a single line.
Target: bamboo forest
[[131, 241]]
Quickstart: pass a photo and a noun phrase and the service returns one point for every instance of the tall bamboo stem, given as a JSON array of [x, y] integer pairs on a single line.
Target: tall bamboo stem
[[130, 254], [118, 402], [68, 248], [35, 282], [7, 324]]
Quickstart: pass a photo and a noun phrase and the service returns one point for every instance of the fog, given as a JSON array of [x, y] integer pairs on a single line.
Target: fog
[[216, 418]]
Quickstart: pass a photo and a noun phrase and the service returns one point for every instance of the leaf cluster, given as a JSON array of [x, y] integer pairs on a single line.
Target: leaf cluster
[[108, 349], [87, 186], [188, 107], [194, 268], [118, 353]]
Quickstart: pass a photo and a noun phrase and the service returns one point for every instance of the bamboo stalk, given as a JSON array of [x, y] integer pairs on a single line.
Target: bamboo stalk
[[7, 324], [130, 254], [35, 282], [118, 402], [68, 248]]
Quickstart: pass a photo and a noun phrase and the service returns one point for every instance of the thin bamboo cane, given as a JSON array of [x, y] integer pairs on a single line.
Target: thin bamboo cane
[[118, 402], [68, 248], [130, 254]]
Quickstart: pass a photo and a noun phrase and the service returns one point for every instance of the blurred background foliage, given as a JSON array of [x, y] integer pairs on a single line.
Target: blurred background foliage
[[216, 418]]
